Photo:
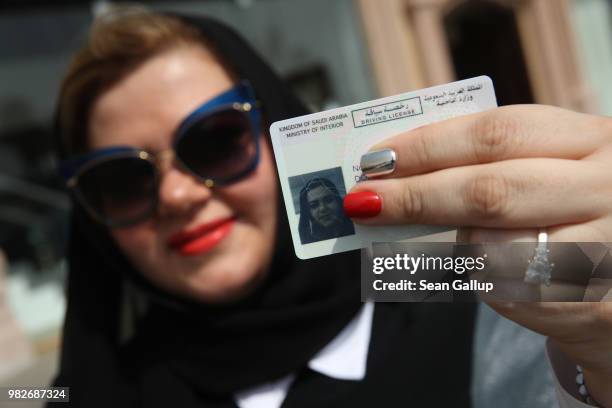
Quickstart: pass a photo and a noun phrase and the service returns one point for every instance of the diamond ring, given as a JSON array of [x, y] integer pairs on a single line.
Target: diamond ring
[[539, 267]]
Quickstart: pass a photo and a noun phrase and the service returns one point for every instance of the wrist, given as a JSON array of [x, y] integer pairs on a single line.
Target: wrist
[[600, 387]]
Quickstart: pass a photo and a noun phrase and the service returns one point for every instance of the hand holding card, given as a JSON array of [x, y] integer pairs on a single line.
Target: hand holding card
[[505, 175]]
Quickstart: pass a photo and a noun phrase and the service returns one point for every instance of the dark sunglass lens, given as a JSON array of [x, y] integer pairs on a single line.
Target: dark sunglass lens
[[120, 190], [218, 146]]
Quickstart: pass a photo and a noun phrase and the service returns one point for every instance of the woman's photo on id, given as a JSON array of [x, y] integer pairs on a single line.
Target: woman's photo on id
[[318, 200]]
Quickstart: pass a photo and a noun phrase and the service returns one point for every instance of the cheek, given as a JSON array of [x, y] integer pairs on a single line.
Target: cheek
[[255, 198], [136, 242]]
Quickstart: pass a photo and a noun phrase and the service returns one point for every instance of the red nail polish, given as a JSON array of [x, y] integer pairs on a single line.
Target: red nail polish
[[363, 204]]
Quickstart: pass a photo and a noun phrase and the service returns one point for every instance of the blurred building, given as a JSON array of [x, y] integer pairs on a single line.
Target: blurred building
[[333, 53], [555, 52]]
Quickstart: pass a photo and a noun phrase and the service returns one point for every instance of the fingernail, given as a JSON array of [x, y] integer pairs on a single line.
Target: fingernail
[[378, 162], [364, 204]]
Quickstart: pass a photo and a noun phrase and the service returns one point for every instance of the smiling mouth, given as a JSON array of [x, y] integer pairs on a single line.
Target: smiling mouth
[[203, 238]]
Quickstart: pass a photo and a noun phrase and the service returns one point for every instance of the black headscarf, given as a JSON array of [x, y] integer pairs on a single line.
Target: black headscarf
[[188, 354]]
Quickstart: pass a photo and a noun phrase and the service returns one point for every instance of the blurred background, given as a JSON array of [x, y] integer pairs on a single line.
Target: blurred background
[[333, 53]]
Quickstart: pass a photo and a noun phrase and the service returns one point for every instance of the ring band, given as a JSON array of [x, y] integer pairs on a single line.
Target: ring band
[[539, 267], [378, 163]]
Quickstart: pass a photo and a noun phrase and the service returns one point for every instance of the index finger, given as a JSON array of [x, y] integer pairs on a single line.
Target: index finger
[[512, 132]]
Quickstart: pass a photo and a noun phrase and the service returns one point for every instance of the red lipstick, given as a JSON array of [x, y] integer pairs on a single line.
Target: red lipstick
[[202, 238]]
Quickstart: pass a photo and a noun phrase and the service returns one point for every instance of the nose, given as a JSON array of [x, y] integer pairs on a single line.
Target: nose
[[180, 193]]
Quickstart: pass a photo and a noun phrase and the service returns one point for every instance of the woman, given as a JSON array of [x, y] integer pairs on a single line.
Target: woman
[[321, 214], [184, 290]]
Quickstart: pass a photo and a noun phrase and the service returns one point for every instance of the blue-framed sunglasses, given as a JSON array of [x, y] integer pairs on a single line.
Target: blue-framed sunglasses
[[218, 143]]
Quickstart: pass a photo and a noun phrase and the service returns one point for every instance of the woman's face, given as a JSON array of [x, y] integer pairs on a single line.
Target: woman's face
[[324, 208], [227, 233]]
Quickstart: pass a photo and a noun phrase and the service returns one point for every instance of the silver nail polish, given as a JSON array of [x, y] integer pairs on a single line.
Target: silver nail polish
[[378, 163]]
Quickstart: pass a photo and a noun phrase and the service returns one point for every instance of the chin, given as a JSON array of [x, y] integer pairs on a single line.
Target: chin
[[219, 283]]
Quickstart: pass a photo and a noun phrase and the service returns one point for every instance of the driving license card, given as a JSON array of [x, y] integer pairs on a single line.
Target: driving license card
[[318, 157]]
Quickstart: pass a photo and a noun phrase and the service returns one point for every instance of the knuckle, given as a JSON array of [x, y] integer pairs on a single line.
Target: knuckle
[[422, 150], [598, 317], [410, 203], [494, 137], [488, 196], [603, 316]]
